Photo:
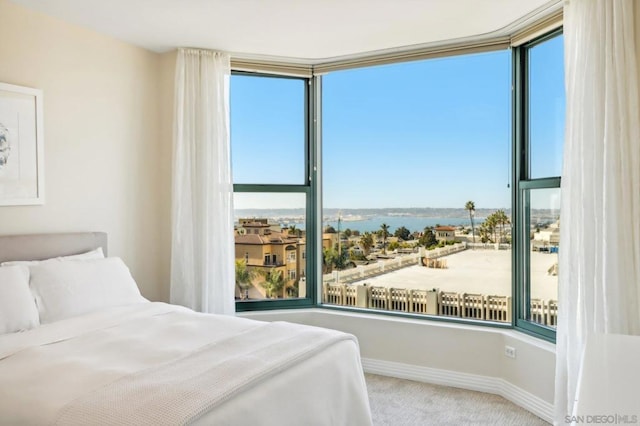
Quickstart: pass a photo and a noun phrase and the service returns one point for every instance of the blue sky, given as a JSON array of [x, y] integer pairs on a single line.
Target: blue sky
[[267, 129], [547, 108], [432, 133]]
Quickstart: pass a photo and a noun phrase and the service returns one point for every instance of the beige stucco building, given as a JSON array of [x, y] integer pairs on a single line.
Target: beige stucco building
[[265, 251], [445, 233]]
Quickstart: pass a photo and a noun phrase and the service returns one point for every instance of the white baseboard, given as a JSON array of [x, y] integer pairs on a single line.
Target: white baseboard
[[498, 386]]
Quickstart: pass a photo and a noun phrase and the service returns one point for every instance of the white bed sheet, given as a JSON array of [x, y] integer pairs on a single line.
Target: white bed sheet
[[38, 378]]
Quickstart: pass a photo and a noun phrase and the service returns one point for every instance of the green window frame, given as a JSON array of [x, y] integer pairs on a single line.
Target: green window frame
[[521, 180], [523, 183], [400, 314], [308, 188]]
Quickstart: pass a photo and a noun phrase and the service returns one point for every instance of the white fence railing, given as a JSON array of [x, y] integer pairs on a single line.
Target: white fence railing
[[339, 289], [362, 272], [384, 266], [544, 312], [489, 246], [444, 251], [434, 302]]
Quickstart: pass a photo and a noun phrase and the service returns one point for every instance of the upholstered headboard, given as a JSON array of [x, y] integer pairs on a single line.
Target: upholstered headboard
[[45, 246]]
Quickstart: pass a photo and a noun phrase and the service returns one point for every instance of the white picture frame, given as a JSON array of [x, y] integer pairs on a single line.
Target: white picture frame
[[21, 146]]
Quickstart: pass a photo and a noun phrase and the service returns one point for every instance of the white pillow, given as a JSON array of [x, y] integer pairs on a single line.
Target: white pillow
[[75, 287], [18, 311], [93, 254]]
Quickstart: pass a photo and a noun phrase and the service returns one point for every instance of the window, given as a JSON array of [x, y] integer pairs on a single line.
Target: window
[[539, 132], [268, 130], [416, 198], [440, 187], [273, 195]]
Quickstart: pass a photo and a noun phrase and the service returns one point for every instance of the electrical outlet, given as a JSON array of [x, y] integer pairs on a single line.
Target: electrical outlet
[[510, 351]]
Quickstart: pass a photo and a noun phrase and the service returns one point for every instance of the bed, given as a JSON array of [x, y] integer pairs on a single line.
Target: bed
[[139, 362]]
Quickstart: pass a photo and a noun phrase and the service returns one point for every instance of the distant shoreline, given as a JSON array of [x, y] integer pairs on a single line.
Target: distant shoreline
[[368, 220], [412, 223]]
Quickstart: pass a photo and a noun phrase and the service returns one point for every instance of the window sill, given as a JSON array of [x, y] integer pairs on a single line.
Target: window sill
[[397, 318]]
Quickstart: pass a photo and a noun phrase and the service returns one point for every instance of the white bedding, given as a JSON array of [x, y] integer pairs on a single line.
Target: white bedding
[[47, 371]]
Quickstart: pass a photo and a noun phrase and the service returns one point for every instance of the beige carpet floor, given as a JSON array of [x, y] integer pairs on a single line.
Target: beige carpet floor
[[397, 402]]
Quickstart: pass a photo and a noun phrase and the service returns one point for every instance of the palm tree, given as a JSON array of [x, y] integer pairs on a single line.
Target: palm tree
[[486, 230], [244, 276], [471, 206], [333, 259], [367, 242], [273, 282], [502, 220], [327, 266], [491, 223], [384, 233], [293, 230]]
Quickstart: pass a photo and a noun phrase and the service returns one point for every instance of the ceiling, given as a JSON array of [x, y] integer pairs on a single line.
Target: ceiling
[[306, 31]]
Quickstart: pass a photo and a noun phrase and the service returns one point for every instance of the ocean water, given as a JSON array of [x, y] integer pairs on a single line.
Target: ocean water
[[413, 223], [366, 223]]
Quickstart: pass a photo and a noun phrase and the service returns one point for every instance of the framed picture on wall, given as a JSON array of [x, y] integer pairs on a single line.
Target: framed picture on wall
[[21, 146]]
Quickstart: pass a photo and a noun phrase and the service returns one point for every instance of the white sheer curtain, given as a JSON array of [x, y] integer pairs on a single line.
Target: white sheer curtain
[[600, 212], [202, 250]]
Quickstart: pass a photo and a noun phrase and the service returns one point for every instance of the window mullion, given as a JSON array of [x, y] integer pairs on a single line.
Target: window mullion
[[259, 236], [516, 194], [250, 187], [314, 220], [522, 192], [542, 183]]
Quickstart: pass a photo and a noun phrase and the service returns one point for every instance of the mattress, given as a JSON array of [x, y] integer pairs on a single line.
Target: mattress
[[143, 364]]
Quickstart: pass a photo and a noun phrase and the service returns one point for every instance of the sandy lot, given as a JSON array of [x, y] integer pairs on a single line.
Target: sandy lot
[[475, 271]]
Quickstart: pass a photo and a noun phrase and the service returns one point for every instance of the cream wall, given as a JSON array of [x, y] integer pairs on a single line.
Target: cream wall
[[445, 351], [107, 154]]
